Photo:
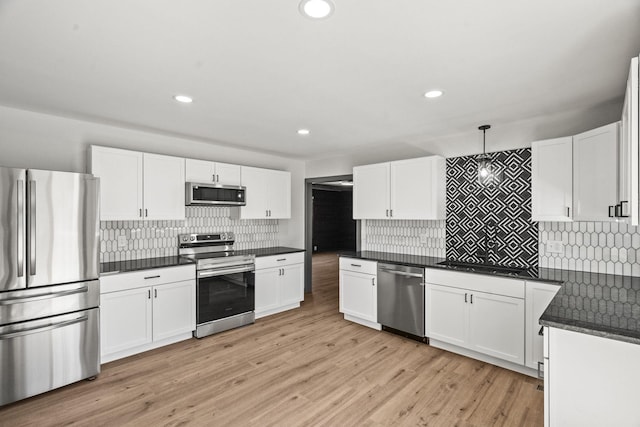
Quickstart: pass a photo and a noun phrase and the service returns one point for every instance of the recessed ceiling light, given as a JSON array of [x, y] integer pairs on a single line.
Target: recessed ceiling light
[[304, 132], [183, 98], [316, 9], [433, 94]]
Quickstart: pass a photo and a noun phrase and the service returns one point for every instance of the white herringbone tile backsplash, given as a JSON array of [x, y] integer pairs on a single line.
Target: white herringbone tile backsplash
[[150, 239], [404, 237], [598, 247]]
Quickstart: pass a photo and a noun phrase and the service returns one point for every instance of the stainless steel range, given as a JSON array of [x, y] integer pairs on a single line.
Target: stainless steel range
[[225, 285]]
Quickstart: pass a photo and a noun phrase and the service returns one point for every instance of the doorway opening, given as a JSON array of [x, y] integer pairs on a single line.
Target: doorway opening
[[329, 223]]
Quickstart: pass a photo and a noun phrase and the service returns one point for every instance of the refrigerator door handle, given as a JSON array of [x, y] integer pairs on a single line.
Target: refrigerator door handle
[[38, 329], [21, 300], [32, 228], [20, 228]]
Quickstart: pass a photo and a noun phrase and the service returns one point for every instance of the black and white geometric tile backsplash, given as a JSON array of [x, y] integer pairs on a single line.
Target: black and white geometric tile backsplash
[[151, 239], [491, 219]]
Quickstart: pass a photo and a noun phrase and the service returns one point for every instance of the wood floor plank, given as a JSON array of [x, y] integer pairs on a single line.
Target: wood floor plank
[[304, 367]]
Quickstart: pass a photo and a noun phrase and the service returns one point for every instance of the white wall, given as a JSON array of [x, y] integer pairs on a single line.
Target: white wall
[[501, 137], [42, 141]]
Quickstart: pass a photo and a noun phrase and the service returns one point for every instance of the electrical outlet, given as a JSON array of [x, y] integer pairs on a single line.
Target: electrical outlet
[[424, 239], [122, 241], [555, 247]]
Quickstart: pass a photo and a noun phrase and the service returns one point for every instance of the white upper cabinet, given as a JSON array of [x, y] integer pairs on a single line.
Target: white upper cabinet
[[136, 185], [120, 173], [404, 189], [418, 188], [371, 191], [576, 178], [268, 193], [163, 187], [628, 186], [552, 180], [595, 174], [213, 172]]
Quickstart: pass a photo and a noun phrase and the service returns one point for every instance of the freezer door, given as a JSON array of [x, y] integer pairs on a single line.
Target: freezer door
[[12, 229], [44, 354], [62, 227]]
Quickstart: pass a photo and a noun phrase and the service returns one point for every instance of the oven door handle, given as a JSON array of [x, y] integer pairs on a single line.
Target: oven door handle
[[210, 273]]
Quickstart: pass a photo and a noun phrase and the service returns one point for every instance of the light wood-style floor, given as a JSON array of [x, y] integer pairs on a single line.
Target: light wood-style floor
[[305, 367]]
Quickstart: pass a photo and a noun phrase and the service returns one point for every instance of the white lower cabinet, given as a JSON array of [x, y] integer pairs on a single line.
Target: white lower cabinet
[[590, 380], [146, 309], [483, 314], [125, 320], [358, 291], [279, 283], [496, 326], [447, 317], [538, 297]]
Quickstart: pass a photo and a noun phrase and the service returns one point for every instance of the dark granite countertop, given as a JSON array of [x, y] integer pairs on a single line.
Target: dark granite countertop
[[172, 261], [534, 273], [597, 304], [142, 264], [276, 250]]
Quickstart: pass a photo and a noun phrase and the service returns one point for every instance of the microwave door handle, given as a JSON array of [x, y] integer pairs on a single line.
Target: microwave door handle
[[32, 228], [21, 214]]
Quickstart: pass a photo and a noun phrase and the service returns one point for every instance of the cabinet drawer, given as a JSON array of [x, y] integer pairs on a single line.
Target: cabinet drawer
[[359, 265], [279, 260], [477, 282], [142, 278]]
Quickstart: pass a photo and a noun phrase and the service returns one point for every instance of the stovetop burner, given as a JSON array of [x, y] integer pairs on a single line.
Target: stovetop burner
[[211, 250]]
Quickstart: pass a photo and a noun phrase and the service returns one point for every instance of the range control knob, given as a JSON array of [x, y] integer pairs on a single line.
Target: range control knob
[[192, 238]]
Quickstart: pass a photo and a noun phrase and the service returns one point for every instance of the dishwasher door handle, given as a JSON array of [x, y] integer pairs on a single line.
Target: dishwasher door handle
[[402, 273]]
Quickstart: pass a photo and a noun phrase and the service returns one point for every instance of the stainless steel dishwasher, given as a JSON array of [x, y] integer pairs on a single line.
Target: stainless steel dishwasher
[[401, 298]]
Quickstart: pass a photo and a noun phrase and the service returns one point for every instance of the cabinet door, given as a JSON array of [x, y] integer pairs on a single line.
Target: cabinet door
[[371, 191], [227, 174], [120, 173], [417, 188], [358, 295], [595, 174], [174, 309], [292, 284], [496, 326], [163, 187], [125, 320], [267, 290], [446, 317], [538, 297], [628, 161], [551, 180], [278, 193], [199, 170], [256, 193]]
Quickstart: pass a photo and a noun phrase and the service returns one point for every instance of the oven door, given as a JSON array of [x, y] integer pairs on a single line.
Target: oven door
[[225, 292]]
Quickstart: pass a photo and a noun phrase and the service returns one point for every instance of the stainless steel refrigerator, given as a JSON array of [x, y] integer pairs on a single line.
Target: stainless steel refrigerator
[[49, 288]]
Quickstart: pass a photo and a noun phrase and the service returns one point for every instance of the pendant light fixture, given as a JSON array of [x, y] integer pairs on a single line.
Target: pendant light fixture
[[486, 169]]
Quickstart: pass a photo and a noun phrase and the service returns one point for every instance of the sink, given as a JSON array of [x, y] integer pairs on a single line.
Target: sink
[[482, 268]]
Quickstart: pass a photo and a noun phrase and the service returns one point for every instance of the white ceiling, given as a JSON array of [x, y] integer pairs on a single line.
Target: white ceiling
[[258, 70]]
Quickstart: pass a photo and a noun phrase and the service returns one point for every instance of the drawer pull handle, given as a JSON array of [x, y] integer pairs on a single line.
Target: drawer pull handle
[[152, 277], [282, 259], [356, 265]]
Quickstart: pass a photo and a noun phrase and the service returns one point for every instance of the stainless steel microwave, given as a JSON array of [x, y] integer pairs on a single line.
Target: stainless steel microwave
[[205, 194]]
